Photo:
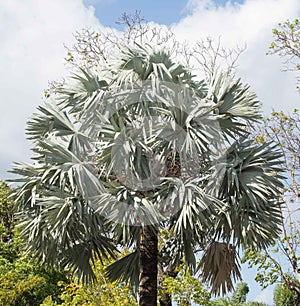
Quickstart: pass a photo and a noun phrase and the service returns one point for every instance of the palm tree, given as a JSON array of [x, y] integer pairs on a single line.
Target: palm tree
[[143, 147]]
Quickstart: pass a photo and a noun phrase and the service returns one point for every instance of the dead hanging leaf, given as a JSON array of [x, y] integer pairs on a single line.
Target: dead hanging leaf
[[219, 267]]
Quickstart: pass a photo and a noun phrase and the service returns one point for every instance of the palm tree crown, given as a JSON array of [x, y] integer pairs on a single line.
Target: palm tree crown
[[141, 144]]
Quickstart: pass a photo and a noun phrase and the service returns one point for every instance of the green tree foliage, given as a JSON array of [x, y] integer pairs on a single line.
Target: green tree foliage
[[225, 301], [25, 283], [255, 304], [238, 298], [240, 294], [284, 128], [102, 293], [6, 213], [185, 289], [287, 44], [283, 296], [22, 280]]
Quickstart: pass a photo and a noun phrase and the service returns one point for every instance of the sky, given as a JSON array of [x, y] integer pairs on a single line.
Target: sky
[[162, 12], [33, 34]]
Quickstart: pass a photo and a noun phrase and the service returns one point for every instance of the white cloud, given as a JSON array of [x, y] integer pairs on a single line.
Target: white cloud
[[95, 2], [32, 52], [265, 296], [250, 23]]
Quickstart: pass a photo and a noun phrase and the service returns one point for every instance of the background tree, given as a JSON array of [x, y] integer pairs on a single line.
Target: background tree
[[251, 303], [6, 213], [184, 288], [240, 294], [281, 262], [284, 128], [22, 280], [283, 296], [287, 44], [238, 298], [102, 293]]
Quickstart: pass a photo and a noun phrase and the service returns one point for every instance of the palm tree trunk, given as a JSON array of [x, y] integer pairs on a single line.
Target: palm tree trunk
[[298, 300], [148, 266]]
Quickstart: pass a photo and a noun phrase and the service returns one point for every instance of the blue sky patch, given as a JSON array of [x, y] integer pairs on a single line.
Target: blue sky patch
[[162, 12]]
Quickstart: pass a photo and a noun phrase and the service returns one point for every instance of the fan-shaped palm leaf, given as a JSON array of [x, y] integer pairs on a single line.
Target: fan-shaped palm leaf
[[249, 184], [125, 269], [234, 102]]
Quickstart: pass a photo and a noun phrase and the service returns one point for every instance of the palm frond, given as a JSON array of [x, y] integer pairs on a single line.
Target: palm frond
[[52, 120], [125, 269], [234, 101], [219, 267], [84, 89], [127, 210], [62, 230], [139, 63], [248, 180], [191, 210]]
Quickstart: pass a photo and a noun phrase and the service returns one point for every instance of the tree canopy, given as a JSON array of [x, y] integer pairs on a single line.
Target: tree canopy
[[287, 44]]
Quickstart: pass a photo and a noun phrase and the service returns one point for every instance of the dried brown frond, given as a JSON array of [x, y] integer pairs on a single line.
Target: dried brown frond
[[219, 267]]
